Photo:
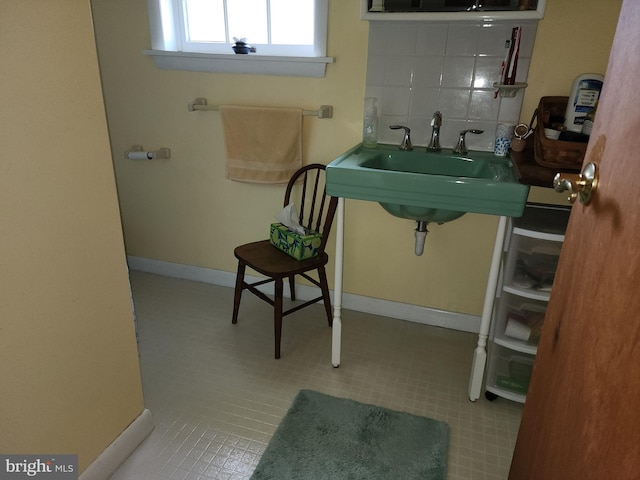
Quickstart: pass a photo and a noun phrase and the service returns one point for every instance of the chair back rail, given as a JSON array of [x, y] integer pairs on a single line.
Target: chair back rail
[[313, 200]]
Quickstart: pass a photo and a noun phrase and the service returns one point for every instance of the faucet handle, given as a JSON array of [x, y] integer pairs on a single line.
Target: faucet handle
[[461, 147], [436, 121], [406, 140]]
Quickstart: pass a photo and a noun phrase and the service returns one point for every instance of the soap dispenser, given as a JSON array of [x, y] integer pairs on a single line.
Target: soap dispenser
[[370, 123]]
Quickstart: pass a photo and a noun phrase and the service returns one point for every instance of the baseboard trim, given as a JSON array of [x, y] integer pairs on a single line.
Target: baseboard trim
[[115, 454], [360, 303]]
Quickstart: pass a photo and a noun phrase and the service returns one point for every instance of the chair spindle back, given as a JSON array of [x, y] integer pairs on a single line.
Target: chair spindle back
[[312, 202]]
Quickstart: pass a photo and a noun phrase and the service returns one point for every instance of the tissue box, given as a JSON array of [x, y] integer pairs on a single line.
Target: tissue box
[[293, 244]]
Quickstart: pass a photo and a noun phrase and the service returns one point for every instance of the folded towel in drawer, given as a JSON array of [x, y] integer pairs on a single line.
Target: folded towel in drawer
[[263, 145]]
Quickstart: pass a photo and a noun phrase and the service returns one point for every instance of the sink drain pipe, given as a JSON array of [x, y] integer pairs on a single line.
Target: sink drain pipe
[[421, 235]]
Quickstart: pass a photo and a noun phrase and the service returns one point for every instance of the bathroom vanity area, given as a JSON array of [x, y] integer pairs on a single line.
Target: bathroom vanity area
[[427, 187], [441, 187]]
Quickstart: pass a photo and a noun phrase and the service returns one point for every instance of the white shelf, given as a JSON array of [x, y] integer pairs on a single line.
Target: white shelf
[[538, 218], [534, 244], [508, 367], [527, 315], [509, 91], [508, 394], [527, 293], [551, 237], [516, 345]]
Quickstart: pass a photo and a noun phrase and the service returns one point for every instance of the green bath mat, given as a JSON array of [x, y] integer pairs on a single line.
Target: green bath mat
[[324, 437]]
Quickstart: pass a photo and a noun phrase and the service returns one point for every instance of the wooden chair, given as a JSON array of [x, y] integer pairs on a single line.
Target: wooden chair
[[314, 209]]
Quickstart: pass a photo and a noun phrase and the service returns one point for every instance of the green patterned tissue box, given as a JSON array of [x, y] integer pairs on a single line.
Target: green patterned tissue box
[[293, 244]]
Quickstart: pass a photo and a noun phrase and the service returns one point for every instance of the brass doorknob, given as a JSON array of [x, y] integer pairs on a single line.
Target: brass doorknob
[[579, 185]]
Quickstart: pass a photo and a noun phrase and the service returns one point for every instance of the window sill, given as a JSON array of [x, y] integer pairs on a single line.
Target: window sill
[[245, 64]]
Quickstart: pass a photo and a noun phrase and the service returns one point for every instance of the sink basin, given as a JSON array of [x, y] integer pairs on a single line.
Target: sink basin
[[428, 163], [428, 186]]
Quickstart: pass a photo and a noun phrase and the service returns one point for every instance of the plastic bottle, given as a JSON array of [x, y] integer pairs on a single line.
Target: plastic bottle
[[370, 123], [589, 118], [585, 92]]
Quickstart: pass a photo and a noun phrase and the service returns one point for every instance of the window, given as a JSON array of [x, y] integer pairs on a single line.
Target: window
[[198, 35]]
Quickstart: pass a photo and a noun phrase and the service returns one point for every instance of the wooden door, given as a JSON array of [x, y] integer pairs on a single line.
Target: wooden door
[[582, 415]]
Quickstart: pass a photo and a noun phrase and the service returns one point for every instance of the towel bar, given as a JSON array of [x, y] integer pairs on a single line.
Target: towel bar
[[325, 111]]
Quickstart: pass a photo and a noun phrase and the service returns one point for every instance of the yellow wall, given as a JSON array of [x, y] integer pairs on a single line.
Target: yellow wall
[[184, 210], [69, 373]]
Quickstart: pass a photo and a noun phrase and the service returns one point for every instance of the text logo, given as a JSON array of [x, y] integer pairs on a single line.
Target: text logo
[[42, 467]]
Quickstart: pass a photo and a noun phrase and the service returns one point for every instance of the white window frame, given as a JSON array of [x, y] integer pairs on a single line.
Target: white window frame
[[168, 48]]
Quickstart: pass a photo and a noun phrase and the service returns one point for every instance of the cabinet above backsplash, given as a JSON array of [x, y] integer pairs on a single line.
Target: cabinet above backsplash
[[451, 10]]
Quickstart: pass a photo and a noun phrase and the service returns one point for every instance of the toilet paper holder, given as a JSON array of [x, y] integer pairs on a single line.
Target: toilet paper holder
[[136, 152]]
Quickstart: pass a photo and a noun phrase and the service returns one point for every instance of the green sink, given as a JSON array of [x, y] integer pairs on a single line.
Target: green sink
[[428, 186], [427, 163]]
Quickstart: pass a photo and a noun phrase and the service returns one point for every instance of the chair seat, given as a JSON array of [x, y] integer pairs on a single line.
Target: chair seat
[[268, 260]]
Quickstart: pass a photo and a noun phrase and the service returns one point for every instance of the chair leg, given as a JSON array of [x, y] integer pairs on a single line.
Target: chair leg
[[238, 291], [292, 286], [324, 287], [277, 315]]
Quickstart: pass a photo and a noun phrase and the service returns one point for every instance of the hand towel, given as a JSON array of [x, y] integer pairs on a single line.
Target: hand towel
[[263, 145]]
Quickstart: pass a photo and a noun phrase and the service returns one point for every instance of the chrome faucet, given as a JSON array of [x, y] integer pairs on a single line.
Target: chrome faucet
[[406, 140], [461, 147], [436, 123]]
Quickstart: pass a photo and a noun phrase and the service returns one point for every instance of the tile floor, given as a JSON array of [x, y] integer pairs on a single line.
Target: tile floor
[[217, 394]]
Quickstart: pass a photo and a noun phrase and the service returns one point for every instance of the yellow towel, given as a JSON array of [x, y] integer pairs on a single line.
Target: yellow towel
[[264, 145]]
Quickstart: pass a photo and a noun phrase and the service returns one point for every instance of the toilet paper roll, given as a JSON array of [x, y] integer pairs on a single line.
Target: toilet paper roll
[[517, 330], [140, 155]]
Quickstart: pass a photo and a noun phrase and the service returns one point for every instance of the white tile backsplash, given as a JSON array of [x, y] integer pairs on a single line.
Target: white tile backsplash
[[422, 99], [510, 108], [398, 71], [493, 38], [416, 68], [483, 105], [396, 101], [401, 40], [457, 71], [486, 72], [376, 67], [432, 40], [454, 103], [462, 39], [427, 70]]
